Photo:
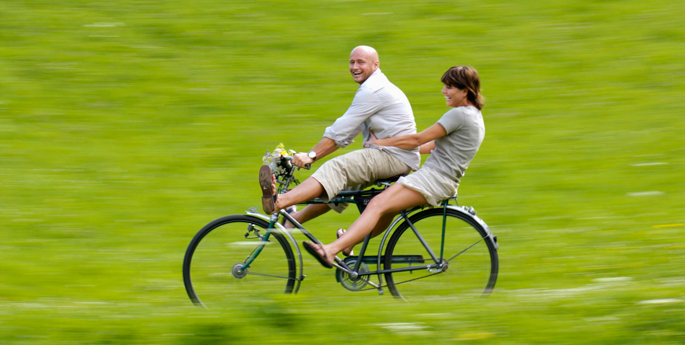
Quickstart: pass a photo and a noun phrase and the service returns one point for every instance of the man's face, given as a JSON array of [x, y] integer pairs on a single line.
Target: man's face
[[362, 65]]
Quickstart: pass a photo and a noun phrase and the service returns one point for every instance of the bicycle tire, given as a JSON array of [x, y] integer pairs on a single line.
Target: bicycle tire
[[210, 266], [474, 270]]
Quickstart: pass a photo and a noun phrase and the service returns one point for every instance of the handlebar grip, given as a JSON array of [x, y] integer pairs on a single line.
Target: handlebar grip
[[289, 159]]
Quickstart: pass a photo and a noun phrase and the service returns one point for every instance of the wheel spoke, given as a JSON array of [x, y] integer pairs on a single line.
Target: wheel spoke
[[411, 280], [467, 248], [268, 275]]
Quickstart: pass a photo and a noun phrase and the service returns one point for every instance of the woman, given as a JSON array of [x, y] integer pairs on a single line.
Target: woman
[[453, 142]]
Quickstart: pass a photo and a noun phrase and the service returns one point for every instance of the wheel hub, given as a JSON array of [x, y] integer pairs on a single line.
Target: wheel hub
[[444, 266], [238, 271]]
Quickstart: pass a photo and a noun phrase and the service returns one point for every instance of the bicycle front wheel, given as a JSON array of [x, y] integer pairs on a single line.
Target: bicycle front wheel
[[467, 257], [216, 267]]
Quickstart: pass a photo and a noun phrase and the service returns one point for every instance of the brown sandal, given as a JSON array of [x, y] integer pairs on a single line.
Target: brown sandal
[[268, 196], [318, 253]]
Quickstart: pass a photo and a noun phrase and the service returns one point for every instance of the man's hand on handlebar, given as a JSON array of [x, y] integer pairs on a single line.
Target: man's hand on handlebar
[[302, 160]]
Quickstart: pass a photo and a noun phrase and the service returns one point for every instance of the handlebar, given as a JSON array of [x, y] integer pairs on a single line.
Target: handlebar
[[289, 159], [284, 170]]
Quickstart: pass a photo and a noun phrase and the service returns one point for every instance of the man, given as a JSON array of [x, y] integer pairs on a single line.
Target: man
[[378, 106]]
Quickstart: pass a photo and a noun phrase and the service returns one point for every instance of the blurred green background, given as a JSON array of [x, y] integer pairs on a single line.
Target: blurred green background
[[126, 126]]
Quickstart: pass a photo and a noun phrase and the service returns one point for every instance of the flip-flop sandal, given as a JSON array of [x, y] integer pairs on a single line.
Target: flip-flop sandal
[[268, 196], [338, 234], [315, 253]]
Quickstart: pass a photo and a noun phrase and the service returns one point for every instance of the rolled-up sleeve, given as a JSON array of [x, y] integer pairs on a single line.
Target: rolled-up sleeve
[[348, 126]]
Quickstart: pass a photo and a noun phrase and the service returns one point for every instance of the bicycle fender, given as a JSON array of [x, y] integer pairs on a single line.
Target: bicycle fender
[[281, 229], [471, 213]]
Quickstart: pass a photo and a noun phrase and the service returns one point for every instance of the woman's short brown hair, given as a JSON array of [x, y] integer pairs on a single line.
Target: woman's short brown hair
[[465, 77]]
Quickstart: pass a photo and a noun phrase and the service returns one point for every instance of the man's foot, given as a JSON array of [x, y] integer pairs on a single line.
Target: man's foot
[[316, 250], [347, 251], [268, 189]]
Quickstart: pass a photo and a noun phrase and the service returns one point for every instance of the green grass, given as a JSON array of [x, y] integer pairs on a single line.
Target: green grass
[[127, 126]]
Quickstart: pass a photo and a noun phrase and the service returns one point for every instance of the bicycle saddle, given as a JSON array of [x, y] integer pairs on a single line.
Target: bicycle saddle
[[389, 179]]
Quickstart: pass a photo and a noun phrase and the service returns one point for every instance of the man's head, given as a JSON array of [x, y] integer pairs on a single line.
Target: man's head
[[363, 62]]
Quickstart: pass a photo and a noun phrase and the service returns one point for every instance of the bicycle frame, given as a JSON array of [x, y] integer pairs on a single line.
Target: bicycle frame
[[360, 198], [348, 196]]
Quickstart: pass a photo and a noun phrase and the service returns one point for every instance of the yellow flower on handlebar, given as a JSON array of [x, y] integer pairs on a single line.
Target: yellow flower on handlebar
[[273, 159], [279, 163]]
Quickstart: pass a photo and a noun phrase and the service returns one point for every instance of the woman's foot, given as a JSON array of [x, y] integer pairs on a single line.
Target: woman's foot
[[349, 250], [316, 250], [267, 181]]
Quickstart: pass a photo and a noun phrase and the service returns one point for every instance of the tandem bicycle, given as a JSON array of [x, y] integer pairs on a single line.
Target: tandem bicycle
[[438, 251]]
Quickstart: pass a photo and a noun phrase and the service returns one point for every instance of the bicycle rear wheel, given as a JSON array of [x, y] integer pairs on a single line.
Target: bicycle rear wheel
[[214, 266], [470, 258]]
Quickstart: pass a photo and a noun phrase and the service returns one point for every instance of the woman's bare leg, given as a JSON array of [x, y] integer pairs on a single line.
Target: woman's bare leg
[[376, 217], [380, 227]]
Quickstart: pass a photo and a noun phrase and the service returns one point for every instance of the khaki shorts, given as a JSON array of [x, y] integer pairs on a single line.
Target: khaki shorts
[[357, 170], [434, 185]]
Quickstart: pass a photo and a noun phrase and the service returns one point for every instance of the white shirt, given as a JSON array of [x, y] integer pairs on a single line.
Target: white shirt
[[383, 108]]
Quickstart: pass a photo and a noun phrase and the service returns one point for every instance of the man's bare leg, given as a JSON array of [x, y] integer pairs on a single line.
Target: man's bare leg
[[307, 190], [308, 213]]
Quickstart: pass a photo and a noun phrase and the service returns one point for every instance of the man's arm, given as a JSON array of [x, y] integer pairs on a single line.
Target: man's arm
[[323, 148], [348, 126]]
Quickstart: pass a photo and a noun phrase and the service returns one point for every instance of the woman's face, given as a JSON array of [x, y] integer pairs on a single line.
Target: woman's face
[[454, 97]]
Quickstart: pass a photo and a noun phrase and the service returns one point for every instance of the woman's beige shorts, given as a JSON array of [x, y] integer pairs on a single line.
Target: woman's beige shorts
[[432, 184]]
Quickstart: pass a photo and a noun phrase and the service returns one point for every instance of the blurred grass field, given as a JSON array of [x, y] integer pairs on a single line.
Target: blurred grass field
[[127, 126]]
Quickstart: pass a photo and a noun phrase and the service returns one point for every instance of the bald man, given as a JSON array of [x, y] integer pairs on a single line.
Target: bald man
[[378, 106]]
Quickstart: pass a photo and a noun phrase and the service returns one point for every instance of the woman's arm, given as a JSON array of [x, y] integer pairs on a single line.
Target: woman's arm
[[427, 147], [411, 141]]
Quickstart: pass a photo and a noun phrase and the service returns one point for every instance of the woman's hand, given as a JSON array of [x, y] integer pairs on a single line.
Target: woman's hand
[[427, 148], [372, 139]]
